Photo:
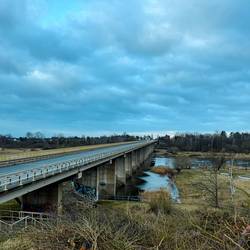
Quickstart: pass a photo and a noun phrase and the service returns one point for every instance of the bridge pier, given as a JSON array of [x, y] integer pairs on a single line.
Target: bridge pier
[[106, 179], [138, 157], [141, 151], [120, 171], [134, 161], [40, 188], [128, 165], [89, 178], [47, 199]]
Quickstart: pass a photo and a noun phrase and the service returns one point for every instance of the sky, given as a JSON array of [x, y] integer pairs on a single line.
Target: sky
[[98, 67]]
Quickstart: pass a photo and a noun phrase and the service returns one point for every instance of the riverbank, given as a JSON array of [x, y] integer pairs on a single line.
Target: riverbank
[[163, 170], [193, 197], [160, 224], [202, 155], [132, 226]]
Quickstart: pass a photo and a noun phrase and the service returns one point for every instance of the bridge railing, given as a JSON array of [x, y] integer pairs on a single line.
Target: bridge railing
[[121, 197], [12, 220], [12, 215], [20, 178]]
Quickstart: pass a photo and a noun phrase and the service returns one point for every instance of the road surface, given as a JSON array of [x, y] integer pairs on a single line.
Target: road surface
[[59, 159]]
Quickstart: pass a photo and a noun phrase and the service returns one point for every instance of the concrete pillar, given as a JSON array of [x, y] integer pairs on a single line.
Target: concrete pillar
[[89, 178], [134, 163], [106, 179], [138, 158], [120, 171], [97, 183], [47, 199], [139, 155], [142, 155], [149, 150], [128, 165]]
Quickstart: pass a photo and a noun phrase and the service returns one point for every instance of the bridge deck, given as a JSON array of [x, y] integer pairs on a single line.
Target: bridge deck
[[59, 159], [18, 180]]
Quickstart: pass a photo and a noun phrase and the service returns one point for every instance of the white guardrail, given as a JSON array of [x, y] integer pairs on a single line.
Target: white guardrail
[[12, 180], [11, 220]]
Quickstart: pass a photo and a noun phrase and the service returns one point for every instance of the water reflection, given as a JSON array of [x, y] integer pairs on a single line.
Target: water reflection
[[164, 161], [155, 182], [240, 163], [170, 162], [196, 162]]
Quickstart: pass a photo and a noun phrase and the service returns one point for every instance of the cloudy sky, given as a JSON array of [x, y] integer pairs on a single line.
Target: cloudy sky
[[108, 66]]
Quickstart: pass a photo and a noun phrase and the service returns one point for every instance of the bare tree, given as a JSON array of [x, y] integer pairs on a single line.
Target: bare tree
[[29, 135], [39, 135], [182, 162], [209, 185]]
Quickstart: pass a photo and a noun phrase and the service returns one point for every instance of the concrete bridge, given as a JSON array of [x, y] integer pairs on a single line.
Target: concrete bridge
[[39, 184]]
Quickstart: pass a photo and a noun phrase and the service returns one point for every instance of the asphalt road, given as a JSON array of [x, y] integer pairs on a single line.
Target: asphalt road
[[59, 159]]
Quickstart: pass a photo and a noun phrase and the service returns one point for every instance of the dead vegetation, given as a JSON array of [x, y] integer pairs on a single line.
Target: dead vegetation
[[159, 201], [155, 224], [163, 171], [135, 226]]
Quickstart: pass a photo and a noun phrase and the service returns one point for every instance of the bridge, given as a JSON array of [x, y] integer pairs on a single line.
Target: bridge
[[39, 184]]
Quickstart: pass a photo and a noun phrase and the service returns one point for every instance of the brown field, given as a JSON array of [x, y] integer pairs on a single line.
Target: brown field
[[198, 154], [119, 225], [192, 198], [13, 154], [156, 223]]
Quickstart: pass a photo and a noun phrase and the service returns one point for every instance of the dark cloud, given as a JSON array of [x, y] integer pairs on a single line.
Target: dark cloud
[[114, 66]]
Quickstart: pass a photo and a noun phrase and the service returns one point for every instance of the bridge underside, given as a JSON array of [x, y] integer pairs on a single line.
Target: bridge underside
[[48, 198], [105, 178]]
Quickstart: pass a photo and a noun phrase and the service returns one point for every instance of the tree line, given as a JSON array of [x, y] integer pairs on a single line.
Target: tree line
[[218, 142], [38, 140]]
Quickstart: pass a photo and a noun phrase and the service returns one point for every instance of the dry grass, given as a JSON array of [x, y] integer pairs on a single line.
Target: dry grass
[[163, 171], [133, 227], [13, 154], [145, 226], [192, 198], [243, 184], [159, 201], [10, 205], [19, 242], [198, 154]]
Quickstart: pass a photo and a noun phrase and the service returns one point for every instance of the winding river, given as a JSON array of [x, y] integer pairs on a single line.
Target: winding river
[[155, 182]]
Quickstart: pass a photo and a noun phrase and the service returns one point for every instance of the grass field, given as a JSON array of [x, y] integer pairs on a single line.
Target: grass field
[[193, 198], [14, 154], [121, 225], [10, 205], [240, 156]]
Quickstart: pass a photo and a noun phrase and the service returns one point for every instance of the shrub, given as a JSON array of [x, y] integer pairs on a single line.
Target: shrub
[[163, 171], [131, 226], [159, 202]]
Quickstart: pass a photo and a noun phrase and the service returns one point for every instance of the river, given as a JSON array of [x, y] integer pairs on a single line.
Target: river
[[146, 180], [196, 162], [154, 182]]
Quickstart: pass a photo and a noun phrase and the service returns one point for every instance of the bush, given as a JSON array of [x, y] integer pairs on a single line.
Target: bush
[[159, 202], [163, 171], [131, 226]]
